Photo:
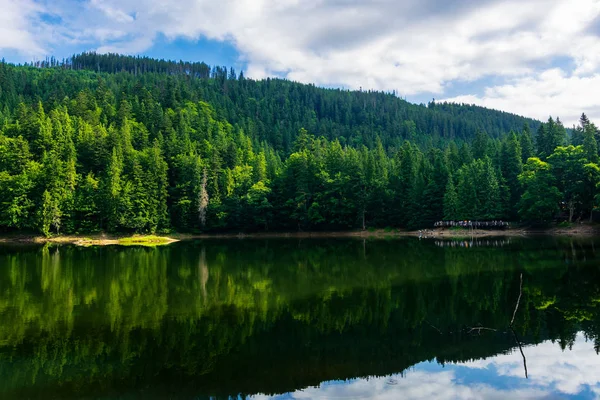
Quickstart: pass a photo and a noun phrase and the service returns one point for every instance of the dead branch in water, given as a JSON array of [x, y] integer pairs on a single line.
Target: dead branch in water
[[518, 301], [521, 350], [434, 327], [481, 328], [512, 329]]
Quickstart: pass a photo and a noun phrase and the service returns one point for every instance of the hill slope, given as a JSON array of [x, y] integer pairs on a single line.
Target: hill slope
[[278, 108], [116, 143]]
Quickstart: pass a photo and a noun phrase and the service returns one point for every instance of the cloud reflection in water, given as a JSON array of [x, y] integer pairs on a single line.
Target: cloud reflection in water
[[553, 373]]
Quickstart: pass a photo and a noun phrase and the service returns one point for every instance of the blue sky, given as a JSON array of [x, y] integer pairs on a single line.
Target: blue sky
[[531, 57]]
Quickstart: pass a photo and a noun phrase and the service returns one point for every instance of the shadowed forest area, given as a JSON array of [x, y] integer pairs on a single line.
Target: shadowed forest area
[[109, 143]]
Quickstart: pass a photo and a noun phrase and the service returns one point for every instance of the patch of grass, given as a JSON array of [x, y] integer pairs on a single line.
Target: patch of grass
[[150, 240], [565, 224]]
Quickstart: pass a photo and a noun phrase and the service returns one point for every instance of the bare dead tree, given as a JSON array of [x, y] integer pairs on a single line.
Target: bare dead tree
[[203, 200]]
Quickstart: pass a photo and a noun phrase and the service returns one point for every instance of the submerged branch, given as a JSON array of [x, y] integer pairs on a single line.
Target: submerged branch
[[512, 329], [478, 329], [518, 301], [434, 327], [521, 350], [481, 328]]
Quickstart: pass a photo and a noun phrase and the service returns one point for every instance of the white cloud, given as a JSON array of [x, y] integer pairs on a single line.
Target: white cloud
[[16, 31], [113, 13], [551, 92], [414, 46]]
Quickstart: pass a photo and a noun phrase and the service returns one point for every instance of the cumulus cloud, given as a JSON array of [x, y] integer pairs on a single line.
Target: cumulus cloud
[[415, 47], [16, 30], [551, 92]]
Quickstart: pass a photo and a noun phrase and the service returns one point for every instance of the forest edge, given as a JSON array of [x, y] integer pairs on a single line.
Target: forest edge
[[581, 230]]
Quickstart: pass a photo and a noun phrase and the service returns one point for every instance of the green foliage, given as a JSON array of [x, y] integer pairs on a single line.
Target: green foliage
[[540, 200], [526, 142], [451, 204], [568, 167], [124, 144], [478, 192], [590, 145]]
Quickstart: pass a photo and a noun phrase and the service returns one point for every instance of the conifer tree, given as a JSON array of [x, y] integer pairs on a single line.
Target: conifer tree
[[526, 142], [590, 146], [451, 202]]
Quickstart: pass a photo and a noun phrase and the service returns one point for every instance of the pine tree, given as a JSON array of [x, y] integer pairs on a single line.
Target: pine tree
[[526, 141], [542, 142], [511, 166], [480, 145], [451, 202], [556, 135], [590, 146], [113, 190]]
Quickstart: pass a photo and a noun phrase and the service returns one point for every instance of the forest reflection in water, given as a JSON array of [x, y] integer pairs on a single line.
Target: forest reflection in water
[[267, 317]]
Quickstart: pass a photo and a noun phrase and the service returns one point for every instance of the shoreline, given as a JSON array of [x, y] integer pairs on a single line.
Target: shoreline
[[444, 233], [93, 240]]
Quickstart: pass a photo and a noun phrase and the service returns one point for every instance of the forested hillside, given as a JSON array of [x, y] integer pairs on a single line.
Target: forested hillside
[[115, 143]]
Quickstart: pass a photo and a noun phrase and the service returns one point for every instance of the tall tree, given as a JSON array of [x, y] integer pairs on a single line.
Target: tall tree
[[526, 141], [540, 200], [451, 202], [568, 167], [511, 166], [590, 146]]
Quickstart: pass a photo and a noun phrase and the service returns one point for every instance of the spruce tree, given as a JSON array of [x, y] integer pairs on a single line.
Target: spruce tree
[[590, 146]]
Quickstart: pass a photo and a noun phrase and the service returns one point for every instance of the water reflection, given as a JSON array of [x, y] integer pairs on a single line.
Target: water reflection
[[554, 374], [466, 243], [222, 318]]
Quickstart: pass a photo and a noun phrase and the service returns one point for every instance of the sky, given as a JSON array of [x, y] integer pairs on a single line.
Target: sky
[[553, 374], [537, 58]]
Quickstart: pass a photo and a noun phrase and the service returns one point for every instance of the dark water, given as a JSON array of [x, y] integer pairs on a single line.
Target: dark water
[[289, 319]]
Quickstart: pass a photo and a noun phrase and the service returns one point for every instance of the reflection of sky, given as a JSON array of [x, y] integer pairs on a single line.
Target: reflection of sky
[[553, 374]]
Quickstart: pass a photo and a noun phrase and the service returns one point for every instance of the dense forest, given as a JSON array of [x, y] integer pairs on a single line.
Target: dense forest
[[128, 144]]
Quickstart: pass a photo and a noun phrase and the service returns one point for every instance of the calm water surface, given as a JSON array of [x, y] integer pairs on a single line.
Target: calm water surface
[[309, 319]]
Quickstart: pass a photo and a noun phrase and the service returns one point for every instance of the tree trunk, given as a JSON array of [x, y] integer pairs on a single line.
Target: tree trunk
[[363, 220], [571, 210]]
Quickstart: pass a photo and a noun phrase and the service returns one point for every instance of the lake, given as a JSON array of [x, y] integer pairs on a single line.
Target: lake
[[302, 319]]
